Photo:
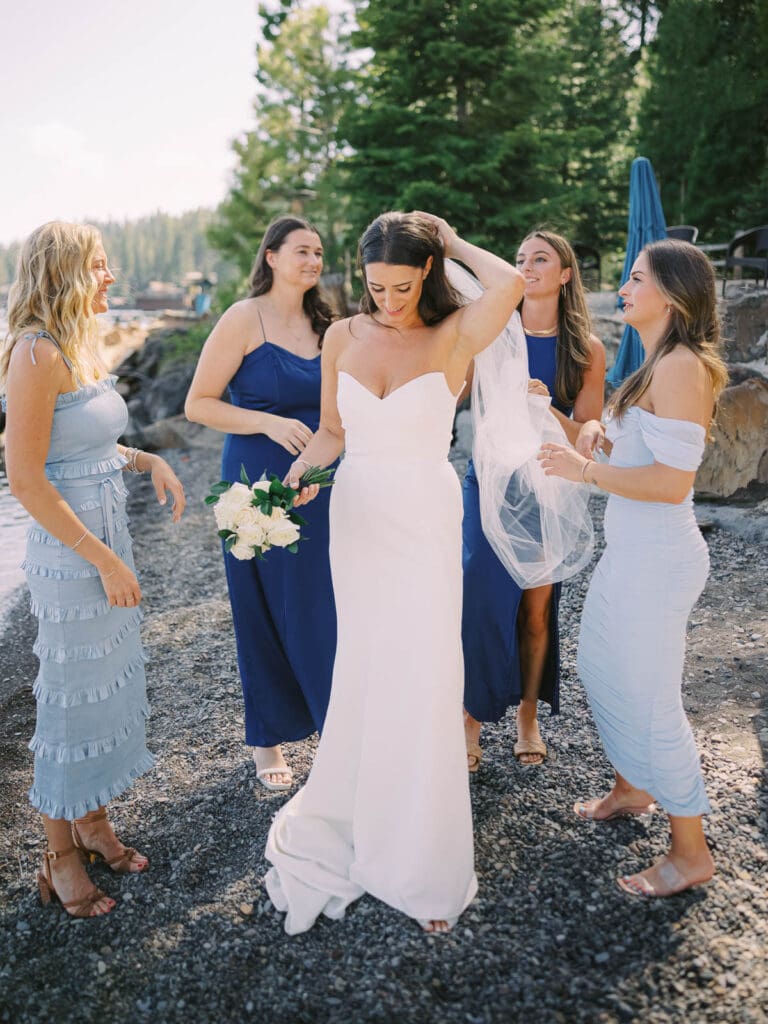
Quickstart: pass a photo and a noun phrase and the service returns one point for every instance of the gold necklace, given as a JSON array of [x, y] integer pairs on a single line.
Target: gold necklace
[[542, 334]]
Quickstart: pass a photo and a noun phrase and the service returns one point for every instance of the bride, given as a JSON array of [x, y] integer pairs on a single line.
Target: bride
[[386, 808]]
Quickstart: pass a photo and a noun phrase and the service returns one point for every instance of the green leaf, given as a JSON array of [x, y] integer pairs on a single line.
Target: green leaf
[[244, 476], [293, 548], [221, 487], [224, 534], [296, 518], [230, 542], [211, 499]]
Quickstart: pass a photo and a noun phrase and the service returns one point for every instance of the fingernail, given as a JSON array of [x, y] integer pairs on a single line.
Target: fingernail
[[162, 501]]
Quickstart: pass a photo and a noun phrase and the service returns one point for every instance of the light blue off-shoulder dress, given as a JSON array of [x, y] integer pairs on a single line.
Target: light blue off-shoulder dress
[[89, 741], [632, 641]]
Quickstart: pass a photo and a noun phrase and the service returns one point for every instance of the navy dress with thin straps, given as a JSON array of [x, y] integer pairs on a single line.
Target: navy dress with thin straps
[[283, 608], [492, 676]]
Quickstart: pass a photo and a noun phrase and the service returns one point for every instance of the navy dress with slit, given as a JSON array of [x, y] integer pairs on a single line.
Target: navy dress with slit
[[492, 676], [282, 607]]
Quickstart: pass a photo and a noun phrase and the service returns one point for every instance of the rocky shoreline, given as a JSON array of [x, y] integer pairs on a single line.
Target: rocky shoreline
[[550, 938]]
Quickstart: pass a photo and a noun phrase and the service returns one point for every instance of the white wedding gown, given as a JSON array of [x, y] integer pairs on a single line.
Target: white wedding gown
[[386, 808]]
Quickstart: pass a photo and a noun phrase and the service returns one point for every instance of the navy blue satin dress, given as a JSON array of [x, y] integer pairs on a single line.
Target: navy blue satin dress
[[283, 608], [489, 629]]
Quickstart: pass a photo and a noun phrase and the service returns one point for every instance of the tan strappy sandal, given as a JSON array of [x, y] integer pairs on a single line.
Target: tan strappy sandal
[[121, 864], [474, 757], [48, 894]]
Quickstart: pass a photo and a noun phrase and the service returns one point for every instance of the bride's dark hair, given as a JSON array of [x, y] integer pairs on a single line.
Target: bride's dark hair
[[408, 240]]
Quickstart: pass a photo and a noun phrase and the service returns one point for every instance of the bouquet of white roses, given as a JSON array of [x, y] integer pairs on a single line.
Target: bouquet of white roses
[[252, 518]]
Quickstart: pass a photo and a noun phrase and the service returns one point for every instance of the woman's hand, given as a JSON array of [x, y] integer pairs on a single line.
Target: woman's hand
[[292, 478], [164, 479], [120, 583], [563, 461], [538, 387], [448, 236], [293, 435], [591, 438]]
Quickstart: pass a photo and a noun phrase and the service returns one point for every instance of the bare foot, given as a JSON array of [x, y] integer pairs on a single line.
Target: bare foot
[[94, 832], [431, 927], [72, 884], [668, 876], [614, 805], [271, 767]]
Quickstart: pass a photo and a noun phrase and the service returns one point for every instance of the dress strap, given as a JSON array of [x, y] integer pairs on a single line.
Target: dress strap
[[45, 334], [263, 332]]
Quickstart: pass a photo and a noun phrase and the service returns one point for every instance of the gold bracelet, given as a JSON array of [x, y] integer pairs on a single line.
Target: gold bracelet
[[584, 473], [80, 540]]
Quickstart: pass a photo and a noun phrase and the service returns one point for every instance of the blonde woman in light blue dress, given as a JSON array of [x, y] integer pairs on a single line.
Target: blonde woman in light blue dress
[[63, 420], [632, 642]]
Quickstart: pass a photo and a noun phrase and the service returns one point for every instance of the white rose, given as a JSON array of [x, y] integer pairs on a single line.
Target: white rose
[[282, 533], [229, 504], [242, 551], [250, 526], [261, 485]]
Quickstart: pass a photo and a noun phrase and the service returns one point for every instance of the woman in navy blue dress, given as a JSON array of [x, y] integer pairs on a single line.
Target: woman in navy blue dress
[[509, 635], [266, 350]]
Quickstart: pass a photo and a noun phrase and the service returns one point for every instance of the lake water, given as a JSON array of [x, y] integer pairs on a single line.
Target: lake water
[[13, 528]]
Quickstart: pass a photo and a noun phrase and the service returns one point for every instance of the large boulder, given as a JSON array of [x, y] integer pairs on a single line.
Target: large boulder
[[745, 325], [737, 458]]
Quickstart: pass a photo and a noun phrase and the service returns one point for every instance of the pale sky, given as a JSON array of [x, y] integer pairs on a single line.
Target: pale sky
[[117, 108]]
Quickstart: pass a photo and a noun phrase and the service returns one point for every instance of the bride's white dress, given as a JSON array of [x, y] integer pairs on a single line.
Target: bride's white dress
[[386, 808]]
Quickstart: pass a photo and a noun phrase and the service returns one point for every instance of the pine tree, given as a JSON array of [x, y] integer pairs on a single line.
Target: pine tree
[[499, 115], [704, 118], [286, 163]]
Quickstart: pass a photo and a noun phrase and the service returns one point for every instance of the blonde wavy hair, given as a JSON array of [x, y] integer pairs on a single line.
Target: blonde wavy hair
[[686, 279], [54, 291]]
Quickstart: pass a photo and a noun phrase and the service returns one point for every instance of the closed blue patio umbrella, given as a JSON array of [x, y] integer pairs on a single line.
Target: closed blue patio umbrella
[[646, 224]]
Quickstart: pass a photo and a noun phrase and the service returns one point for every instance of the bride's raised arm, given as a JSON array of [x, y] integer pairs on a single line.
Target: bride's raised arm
[[481, 321]]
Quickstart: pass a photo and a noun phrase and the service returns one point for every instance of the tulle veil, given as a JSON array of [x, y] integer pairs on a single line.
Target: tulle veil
[[538, 525]]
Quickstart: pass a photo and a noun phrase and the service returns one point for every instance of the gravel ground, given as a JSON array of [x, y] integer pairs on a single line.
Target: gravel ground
[[549, 939]]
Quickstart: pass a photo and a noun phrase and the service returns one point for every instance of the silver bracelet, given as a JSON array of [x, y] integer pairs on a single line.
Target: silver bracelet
[[304, 461], [131, 463], [106, 575], [80, 540]]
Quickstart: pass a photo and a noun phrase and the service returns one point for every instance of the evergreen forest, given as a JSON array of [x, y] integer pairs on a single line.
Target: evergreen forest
[[500, 115]]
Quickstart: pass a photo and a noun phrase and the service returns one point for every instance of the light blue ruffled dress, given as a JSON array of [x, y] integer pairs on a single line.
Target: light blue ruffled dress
[[632, 641], [89, 741]]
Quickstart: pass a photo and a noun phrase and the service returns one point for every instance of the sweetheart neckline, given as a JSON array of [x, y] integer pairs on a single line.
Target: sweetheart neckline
[[383, 398]]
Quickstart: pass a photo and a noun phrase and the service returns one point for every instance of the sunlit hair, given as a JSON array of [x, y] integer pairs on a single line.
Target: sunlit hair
[[54, 291], [408, 240], [261, 280], [686, 279], [574, 348]]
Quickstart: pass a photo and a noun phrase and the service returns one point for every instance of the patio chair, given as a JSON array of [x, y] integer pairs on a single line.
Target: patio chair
[[748, 250], [685, 232], [588, 259]]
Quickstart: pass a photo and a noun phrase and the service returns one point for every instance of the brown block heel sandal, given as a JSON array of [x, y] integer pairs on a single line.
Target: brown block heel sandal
[[49, 896], [121, 864]]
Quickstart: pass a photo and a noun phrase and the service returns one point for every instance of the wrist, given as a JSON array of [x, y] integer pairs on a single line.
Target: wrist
[[587, 479], [145, 462]]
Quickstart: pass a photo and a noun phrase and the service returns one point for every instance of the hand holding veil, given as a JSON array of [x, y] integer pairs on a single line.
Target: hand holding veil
[[538, 525]]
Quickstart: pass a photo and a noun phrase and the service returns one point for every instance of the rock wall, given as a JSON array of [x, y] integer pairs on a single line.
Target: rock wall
[[737, 457]]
